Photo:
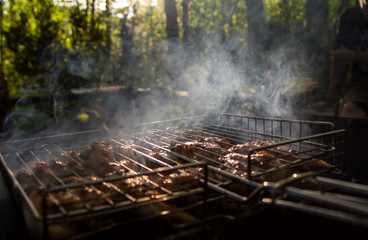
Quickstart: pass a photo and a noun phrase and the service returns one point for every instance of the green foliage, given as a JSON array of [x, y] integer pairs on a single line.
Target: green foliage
[[54, 46], [29, 27]]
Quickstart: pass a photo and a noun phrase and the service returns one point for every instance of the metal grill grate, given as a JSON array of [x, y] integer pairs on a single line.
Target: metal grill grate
[[309, 141], [57, 188], [151, 158]]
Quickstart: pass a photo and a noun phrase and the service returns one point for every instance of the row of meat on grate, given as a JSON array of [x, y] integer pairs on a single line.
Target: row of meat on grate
[[270, 164], [100, 161]]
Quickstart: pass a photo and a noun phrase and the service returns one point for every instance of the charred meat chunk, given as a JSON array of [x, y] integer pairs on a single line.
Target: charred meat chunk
[[185, 149], [182, 181], [260, 162], [101, 160], [194, 133], [244, 148], [138, 187], [202, 149]]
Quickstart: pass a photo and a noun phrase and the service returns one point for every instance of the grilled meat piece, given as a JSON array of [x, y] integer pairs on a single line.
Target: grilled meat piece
[[293, 155], [39, 176], [286, 155], [236, 161], [43, 172], [91, 196], [44, 175], [261, 161], [185, 149], [77, 168], [101, 160], [244, 148], [56, 200], [60, 169], [207, 149], [138, 187], [221, 142], [202, 149], [158, 154], [182, 181], [129, 152], [27, 180]]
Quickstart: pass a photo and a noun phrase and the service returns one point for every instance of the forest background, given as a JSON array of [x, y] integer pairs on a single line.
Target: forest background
[[55, 46]]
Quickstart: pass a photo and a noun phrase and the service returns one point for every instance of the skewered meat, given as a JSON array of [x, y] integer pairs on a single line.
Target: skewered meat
[[80, 178], [129, 151], [65, 199], [293, 155], [158, 154], [76, 168], [48, 175], [244, 148], [222, 142], [234, 159], [182, 181], [261, 161], [138, 187], [284, 153], [207, 150], [59, 169], [27, 180], [203, 148], [101, 160], [185, 149], [41, 175]]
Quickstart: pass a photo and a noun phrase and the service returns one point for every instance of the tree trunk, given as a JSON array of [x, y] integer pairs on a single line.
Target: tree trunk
[[172, 31], [255, 39], [92, 29], [317, 28], [185, 21], [108, 27], [172, 27], [256, 24]]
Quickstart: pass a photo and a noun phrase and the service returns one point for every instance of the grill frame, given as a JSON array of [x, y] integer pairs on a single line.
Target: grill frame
[[331, 198], [268, 128], [288, 131], [44, 220]]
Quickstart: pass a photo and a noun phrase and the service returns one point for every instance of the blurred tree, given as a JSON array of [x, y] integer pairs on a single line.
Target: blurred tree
[[107, 19], [317, 37], [185, 21], [79, 24], [31, 26], [256, 25], [172, 27], [1, 32], [125, 46], [127, 27]]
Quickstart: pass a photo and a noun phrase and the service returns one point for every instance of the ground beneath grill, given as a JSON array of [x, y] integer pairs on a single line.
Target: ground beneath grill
[[267, 223]]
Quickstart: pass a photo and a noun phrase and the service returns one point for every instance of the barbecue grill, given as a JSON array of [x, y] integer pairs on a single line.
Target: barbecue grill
[[98, 207], [216, 184], [298, 135]]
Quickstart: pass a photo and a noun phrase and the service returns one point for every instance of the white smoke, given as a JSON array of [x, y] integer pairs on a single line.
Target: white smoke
[[213, 77]]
